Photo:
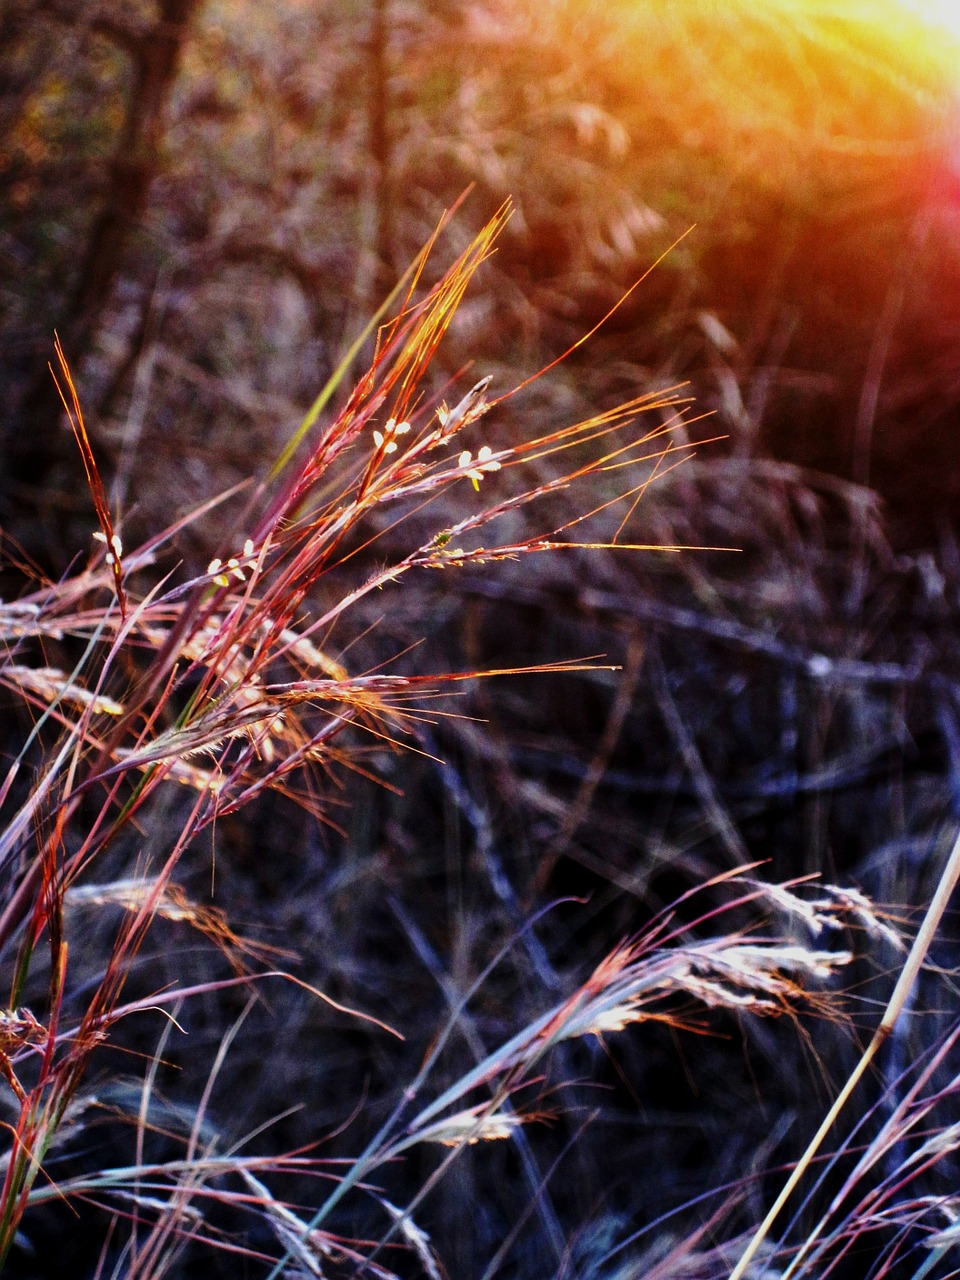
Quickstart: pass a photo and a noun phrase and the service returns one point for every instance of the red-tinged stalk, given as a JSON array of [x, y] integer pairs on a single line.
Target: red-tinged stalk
[[109, 535], [218, 683]]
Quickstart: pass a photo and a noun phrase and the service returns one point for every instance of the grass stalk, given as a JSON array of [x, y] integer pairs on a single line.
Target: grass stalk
[[908, 975]]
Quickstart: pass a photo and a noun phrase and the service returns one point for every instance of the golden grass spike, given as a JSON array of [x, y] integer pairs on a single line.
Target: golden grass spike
[[97, 491]]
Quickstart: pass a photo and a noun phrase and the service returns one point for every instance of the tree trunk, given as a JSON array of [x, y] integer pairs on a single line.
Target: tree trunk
[[33, 446]]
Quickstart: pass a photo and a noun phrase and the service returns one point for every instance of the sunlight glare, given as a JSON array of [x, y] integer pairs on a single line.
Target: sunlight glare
[[943, 14]]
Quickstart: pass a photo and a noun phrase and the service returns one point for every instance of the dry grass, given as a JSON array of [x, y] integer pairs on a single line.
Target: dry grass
[[224, 686], [253, 753], [222, 683]]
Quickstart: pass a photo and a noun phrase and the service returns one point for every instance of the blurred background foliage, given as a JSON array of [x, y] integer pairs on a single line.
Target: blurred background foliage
[[209, 201]]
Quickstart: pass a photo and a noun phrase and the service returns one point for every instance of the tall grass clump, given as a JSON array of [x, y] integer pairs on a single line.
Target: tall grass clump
[[157, 701]]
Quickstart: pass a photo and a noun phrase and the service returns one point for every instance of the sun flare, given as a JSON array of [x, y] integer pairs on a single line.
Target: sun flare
[[941, 15]]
